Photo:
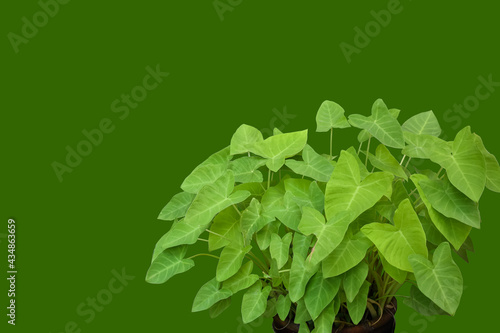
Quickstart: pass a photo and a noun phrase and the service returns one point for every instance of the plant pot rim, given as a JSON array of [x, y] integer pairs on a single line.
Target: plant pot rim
[[364, 326]]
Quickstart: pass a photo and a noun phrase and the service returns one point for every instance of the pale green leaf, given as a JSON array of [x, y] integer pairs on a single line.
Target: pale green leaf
[[324, 323], [301, 272], [492, 167], [363, 171], [243, 279], [320, 292], [305, 193], [330, 115], [253, 219], [465, 164], [283, 306], [209, 294], [329, 235], [357, 307], [423, 123], [302, 315], [347, 192], [230, 262], [441, 280], [254, 302], [246, 169], [207, 172], [383, 160], [347, 255], [381, 124], [280, 248], [177, 206], [263, 237], [279, 147], [364, 135], [225, 230], [353, 280], [396, 242], [395, 273], [422, 145], [313, 165], [301, 244], [450, 202], [454, 231], [181, 233], [167, 264], [243, 138]]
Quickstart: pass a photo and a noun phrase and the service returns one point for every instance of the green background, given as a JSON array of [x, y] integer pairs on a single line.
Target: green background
[[264, 57]]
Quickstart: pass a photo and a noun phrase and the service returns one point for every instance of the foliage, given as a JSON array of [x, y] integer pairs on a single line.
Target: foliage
[[330, 241]]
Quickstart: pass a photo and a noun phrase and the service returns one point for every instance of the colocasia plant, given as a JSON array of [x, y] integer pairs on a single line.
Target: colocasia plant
[[326, 241]]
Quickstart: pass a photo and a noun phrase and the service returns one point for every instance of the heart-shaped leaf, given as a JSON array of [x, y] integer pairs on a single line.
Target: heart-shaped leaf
[[422, 145], [167, 264], [423, 123], [253, 219], [301, 272], [243, 138], [440, 280], [422, 304], [357, 307], [246, 169], [313, 165], [381, 124], [320, 292], [225, 230], [383, 160], [279, 147], [254, 302], [283, 306], [230, 261], [396, 242], [177, 206], [280, 248], [465, 165], [346, 192], [492, 167], [330, 115], [353, 280], [324, 323], [209, 294], [243, 279]]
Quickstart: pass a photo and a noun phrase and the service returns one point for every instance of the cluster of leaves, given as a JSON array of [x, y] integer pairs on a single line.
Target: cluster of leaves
[[324, 241]]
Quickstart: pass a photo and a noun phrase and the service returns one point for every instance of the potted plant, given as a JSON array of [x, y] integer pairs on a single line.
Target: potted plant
[[323, 243]]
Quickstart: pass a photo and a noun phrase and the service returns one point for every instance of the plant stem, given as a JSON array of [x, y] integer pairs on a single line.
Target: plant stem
[[439, 172], [258, 262], [408, 162], [237, 209], [331, 143], [216, 234], [203, 240], [269, 179], [368, 151], [204, 255], [404, 157], [359, 149]]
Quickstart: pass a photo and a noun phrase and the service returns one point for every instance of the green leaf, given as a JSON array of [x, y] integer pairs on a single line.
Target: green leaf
[[396, 242], [230, 262], [329, 235], [218, 308], [271, 310], [346, 192], [454, 231], [244, 137], [225, 230], [279, 147], [177, 206], [253, 219], [278, 203], [422, 146], [422, 304], [348, 254], [301, 272], [263, 237], [246, 169], [243, 279], [423, 123], [280, 248], [363, 171], [450, 202], [353, 280], [254, 302], [167, 264], [324, 323], [381, 124], [301, 244], [181, 233], [304, 193], [492, 167], [207, 172], [283, 306], [357, 307], [364, 135], [319, 293], [441, 280], [313, 165], [302, 315], [383, 160], [330, 115], [465, 165], [209, 294], [395, 273]]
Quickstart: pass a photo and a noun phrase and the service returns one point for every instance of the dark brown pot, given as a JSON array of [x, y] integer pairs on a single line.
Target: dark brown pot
[[387, 324]]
